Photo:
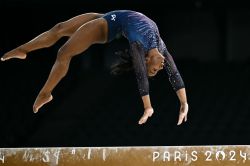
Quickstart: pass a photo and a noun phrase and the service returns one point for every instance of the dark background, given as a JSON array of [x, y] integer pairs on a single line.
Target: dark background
[[208, 40]]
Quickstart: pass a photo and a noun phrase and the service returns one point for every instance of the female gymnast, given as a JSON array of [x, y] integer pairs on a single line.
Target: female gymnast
[[147, 52]]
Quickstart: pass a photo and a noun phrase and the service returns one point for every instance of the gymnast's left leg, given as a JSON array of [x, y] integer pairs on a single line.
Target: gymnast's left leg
[[90, 33], [51, 36]]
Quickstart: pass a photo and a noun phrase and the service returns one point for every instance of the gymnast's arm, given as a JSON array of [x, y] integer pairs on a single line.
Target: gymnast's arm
[[177, 84], [138, 59]]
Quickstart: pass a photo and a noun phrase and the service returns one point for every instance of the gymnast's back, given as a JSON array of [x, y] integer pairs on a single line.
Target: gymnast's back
[[133, 25]]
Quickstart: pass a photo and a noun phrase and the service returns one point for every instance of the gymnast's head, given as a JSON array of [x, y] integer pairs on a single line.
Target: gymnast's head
[[154, 62]]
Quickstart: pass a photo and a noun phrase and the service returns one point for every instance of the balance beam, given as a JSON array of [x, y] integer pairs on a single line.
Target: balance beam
[[127, 156]]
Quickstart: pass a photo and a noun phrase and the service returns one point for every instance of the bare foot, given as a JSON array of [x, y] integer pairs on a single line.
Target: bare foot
[[147, 113], [16, 53], [41, 100]]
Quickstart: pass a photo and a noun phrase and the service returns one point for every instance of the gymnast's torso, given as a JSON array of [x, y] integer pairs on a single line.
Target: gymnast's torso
[[134, 26], [143, 35]]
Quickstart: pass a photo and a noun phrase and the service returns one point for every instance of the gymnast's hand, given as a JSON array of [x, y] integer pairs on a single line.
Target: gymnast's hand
[[148, 112], [183, 113]]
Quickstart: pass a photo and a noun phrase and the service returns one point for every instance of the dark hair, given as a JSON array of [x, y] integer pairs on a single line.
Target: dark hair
[[123, 64]]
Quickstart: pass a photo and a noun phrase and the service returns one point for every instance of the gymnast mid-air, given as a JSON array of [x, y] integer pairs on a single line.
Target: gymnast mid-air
[[148, 52]]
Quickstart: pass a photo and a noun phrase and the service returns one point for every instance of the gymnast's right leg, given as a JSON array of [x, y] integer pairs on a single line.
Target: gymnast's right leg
[[51, 36], [90, 33]]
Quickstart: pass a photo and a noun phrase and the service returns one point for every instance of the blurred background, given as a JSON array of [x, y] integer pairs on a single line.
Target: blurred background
[[209, 42]]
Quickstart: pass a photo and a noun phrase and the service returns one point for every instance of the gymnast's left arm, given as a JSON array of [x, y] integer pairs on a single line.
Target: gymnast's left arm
[[177, 84], [139, 65]]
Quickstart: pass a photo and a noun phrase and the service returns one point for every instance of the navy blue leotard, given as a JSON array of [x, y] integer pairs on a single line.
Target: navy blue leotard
[[143, 35]]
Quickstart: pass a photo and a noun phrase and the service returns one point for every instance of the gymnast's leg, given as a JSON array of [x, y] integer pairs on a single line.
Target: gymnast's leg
[[90, 33], [51, 36]]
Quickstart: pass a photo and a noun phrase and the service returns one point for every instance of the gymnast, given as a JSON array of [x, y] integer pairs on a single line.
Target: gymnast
[[147, 52]]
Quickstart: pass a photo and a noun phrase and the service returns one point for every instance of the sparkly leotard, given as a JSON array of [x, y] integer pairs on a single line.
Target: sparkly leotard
[[143, 35]]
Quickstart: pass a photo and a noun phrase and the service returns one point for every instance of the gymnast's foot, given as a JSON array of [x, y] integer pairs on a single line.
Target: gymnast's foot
[[42, 98], [147, 113], [16, 53]]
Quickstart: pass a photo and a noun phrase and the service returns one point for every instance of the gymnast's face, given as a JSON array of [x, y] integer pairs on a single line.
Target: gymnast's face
[[154, 62]]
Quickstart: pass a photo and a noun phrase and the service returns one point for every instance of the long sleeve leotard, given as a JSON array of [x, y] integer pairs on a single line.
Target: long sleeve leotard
[[143, 35]]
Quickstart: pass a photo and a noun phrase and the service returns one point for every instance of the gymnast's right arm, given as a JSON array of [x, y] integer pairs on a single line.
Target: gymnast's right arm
[[177, 84]]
